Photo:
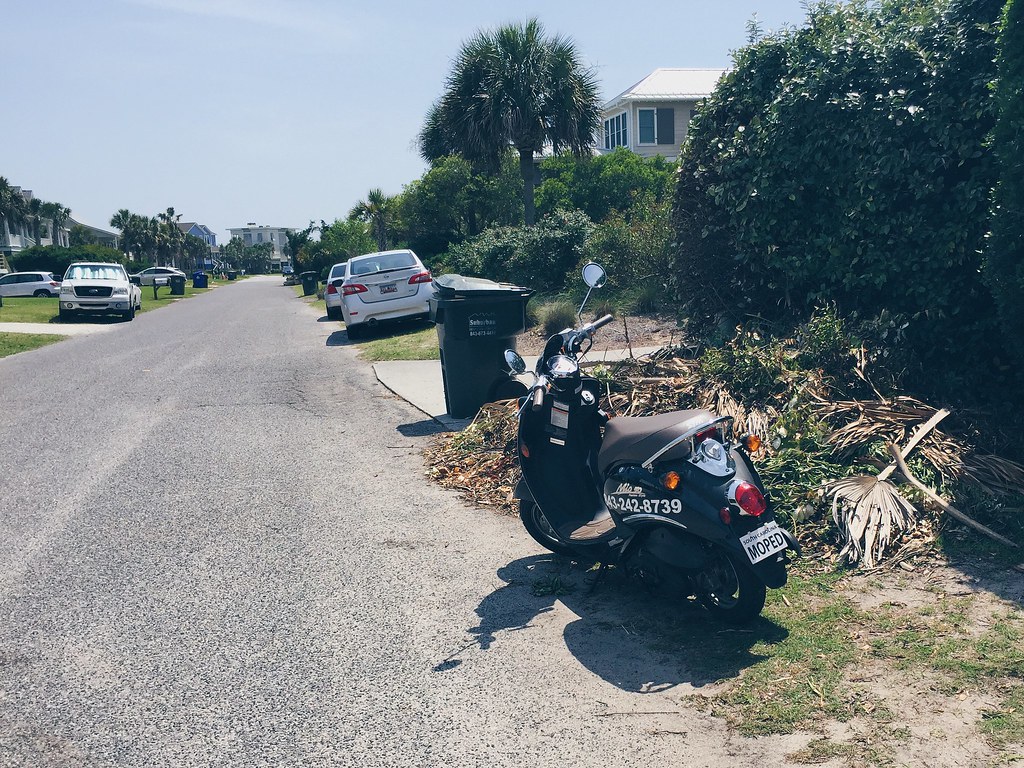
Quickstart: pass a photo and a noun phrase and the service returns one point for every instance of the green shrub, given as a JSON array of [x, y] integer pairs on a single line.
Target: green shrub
[[847, 162], [635, 248], [1004, 263], [538, 257], [557, 315], [823, 341], [56, 259], [648, 298], [619, 182]]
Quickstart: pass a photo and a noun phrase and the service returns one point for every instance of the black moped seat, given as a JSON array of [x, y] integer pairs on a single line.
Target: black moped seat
[[634, 439]]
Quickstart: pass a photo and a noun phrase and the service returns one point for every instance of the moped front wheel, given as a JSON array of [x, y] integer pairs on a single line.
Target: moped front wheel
[[728, 588], [540, 529]]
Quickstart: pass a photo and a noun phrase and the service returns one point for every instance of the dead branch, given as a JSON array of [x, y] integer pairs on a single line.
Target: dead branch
[[944, 505]]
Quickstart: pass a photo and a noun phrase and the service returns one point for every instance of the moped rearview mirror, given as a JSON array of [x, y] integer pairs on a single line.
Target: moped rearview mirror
[[595, 277], [515, 362]]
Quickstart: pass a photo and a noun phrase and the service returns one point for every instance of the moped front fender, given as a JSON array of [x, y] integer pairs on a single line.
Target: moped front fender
[[522, 491]]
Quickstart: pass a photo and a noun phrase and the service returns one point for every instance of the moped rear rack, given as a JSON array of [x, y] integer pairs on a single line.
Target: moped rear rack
[[690, 435]]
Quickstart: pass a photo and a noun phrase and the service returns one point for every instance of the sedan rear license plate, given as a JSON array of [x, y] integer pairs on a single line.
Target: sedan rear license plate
[[763, 542], [389, 288]]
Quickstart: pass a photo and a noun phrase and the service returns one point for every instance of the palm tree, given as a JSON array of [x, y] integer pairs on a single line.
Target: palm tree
[[35, 209], [298, 243], [514, 87], [378, 210], [122, 221], [13, 209], [171, 237], [58, 216]]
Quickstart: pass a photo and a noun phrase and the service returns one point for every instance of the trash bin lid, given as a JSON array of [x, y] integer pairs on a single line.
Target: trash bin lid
[[453, 286]]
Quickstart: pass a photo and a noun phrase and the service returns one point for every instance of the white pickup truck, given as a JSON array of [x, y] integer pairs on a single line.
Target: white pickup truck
[[97, 288]]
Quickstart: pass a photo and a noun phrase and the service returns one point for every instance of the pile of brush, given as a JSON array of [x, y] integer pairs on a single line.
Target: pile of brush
[[819, 451]]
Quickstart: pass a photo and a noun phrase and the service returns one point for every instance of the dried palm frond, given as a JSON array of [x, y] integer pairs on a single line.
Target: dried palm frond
[[868, 512], [994, 474], [481, 461]]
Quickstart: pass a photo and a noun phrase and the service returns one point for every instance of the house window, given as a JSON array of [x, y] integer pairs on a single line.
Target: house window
[[657, 126], [615, 134], [259, 237]]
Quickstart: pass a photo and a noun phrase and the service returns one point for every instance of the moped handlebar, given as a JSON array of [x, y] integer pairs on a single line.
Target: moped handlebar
[[589, 328], [585, 333], [538, 397]]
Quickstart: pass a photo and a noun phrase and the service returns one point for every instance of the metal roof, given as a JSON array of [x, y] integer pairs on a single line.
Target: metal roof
[[670, 84]]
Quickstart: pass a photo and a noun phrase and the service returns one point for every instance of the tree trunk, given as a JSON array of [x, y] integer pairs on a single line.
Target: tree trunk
[[527, 170]]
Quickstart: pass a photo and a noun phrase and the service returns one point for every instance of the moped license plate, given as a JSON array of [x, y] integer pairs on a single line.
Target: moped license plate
[[763, 542]]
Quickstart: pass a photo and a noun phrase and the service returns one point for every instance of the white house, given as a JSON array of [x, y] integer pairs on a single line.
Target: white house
[[253, 234], [652, 117]]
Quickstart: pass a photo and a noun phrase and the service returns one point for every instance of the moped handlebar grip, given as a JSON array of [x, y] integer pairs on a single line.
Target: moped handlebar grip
[[538, 398], [601, 322]]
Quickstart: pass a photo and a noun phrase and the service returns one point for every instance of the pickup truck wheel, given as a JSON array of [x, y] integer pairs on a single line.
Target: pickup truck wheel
[[63, 316]]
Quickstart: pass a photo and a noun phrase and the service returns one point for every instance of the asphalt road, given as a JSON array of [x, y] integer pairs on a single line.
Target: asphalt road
[[218, 547]]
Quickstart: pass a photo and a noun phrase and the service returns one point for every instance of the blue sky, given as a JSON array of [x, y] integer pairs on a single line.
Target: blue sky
[[283, 111]]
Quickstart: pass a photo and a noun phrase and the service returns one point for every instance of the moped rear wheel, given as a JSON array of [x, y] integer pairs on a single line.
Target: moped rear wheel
[[728, 588], [540, 529]]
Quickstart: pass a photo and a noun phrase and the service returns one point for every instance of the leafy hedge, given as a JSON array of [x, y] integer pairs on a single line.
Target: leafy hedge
[[845, 161], [619, 182], [1004, 268], [56, 259], [848, 162], [538, 257]]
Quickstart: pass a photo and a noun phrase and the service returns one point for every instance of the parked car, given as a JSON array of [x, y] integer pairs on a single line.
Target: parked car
[[332, 293], [98, 288], [29, 284], [386, 285], [148, 276]]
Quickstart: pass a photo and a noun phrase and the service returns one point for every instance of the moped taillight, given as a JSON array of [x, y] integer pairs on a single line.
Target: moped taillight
[[748, 498]]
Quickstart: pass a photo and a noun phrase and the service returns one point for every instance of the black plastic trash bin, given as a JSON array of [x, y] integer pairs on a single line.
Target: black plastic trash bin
[[200, 280], [309, 283], [232, 274], [177, 283], [476, 321]]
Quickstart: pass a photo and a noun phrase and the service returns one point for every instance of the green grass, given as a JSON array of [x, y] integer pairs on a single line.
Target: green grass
[[28, 309], [13, 343], [791, 670], [164, 297], [402, 343]]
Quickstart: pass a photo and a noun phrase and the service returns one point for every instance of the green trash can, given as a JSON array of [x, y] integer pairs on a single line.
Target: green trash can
[[476, 321], [200, 280], [309, 283], [177, 283]]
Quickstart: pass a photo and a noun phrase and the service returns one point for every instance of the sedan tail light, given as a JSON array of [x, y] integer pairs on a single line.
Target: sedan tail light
[[331, 290], [422, 277], [353, 288]]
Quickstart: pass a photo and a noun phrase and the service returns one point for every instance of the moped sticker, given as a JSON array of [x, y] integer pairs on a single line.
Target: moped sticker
[[636, 505]]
